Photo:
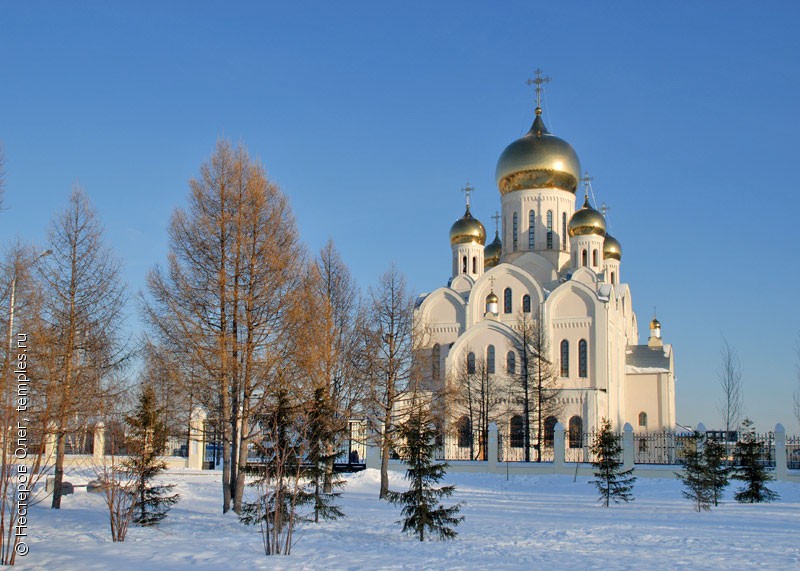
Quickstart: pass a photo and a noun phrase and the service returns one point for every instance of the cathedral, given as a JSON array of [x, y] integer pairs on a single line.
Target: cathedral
[[554, 265]]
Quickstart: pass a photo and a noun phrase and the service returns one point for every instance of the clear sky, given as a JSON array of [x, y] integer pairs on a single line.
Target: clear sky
[[371, 116]]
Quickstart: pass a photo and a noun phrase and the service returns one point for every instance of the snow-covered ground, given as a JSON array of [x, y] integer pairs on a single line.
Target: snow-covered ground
[[528, 522]]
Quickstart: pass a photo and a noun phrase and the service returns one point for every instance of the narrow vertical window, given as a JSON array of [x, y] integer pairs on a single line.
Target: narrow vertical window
[[464, 430], [511, 363], [613, 278], [474, 264], [464, 265], [565, 358], [550, 430], [490, 359], [531, 229], [514, 230], [564, 231], [517, 429], [575, 432], [643, 419], [594, 258], [526, 303], [584, 261], [507, 300], [471, 363], [549, 229], [436, 357], [583, 359]]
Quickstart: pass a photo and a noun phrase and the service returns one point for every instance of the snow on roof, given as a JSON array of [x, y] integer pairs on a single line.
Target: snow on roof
[[643, 359]]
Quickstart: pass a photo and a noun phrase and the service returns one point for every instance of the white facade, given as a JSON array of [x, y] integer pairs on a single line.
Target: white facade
[[553, 267]]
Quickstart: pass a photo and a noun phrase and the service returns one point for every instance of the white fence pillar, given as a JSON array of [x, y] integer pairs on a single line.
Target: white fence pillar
[[492, 446], [781, 466], [559, 443], [197, 439], [628, 451], [99, 444], [373, 450]]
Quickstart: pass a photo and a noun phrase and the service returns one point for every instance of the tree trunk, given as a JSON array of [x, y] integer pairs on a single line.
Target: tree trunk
[[58, 473]]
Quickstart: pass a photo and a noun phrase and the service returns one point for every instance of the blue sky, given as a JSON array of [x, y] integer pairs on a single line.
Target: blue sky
[[371, 116]]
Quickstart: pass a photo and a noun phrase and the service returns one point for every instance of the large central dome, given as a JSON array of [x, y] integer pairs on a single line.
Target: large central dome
[[538, 160]]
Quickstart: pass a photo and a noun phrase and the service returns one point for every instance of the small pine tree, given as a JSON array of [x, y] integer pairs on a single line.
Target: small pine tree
[[695, 475], [612, 482], [321, 433], [716, 466], [749, 468], [422, 511], [146, 442]]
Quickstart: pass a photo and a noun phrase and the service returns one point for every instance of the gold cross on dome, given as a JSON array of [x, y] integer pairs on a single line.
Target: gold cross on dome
[[496, 218], [468, 190], [538, 82], [604, 208], [491, 279], [586, 180]]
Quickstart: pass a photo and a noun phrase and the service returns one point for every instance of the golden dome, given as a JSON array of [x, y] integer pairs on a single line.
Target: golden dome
[[467, 229], [491, 253], [655, 324], [612, 248], [538, 160], [491, 298], [587, 220]]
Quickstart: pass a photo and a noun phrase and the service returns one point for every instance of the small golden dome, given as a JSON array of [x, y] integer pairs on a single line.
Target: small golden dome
[[587, 220], [655, 324], [491, 298], [467, 229], [538, 160], [612, 248], [491, 253]]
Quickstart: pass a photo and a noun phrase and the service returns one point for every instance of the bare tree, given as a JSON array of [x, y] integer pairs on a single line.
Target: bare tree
[[390, 351], [235, 262], [476, 393], [2, 174], [537, 380], [729, 376], [83, 310]]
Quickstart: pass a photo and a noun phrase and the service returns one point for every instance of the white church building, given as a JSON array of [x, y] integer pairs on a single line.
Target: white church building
[[552, 258]]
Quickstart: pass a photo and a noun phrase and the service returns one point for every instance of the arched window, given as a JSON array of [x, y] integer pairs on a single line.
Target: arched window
[[531, 229], [583, 359], [575, 432], [511, 363], [564, 231], [474, 264], [517, 431], [565, 358], [471, 363], [613, 278], [584, 262], [464, 429], [490, 359], [643, 419], [549, 229], [526, 303], [464, 265], [550, 430], [436, 357], [594, 258], [514, 231], [507, 300]]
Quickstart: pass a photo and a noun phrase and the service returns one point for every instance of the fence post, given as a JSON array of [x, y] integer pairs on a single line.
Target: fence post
[[627, 447], [559, 442], [781, 467], [197, 439], [99, 444], [491, 447]]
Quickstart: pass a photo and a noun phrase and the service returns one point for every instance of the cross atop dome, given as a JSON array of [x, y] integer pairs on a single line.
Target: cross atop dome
[[496, 219], [538, 83], [587, 181], [468, 190]]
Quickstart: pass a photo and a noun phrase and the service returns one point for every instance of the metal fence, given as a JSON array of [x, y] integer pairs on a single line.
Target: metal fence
[[664, 447], [793, 452], [511, 448], [463, 446]]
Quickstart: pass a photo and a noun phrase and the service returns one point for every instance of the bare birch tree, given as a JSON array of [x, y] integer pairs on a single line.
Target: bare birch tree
[[729, 376], [84, 298], [235, 260]]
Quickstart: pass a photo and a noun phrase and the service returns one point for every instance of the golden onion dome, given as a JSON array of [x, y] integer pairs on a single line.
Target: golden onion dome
[[587, 220], [612, 248], [538, 160], [491, 298], [491, 253], [467, 229], [655, 324]]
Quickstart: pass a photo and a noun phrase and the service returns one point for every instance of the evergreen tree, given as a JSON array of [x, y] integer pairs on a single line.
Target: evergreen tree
[[749, 468], [612, 482], [695, 474], [716, 466], [146, 442], [322, 430], [422, 511]]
